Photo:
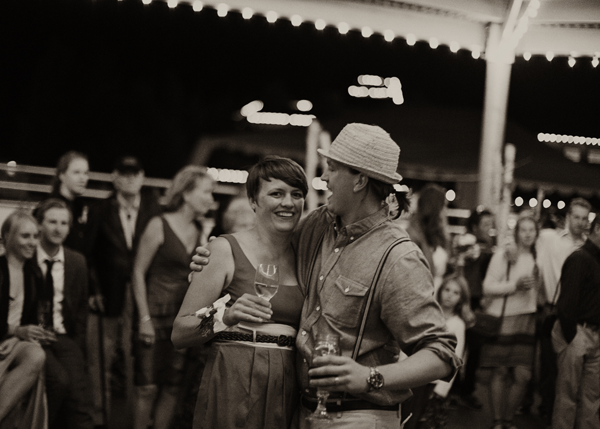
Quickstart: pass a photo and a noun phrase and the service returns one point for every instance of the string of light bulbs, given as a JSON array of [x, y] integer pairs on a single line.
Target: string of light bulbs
[[223, 9]]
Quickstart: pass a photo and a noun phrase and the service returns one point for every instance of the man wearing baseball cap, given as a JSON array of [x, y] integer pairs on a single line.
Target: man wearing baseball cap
[[117, 222], [345, 250]]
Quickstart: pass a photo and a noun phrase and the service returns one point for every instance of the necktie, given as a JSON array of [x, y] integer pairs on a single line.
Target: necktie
[[49, 293]]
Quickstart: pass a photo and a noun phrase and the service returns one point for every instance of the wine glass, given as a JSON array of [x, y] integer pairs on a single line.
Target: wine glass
[[43, 313], [266, 281], [325, 344]]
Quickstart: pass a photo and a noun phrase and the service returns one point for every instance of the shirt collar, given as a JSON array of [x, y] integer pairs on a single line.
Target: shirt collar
[[565, 233], [125, 204], [43, 256], [361, 227]]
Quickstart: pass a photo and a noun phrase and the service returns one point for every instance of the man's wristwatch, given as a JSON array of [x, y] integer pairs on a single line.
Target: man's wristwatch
[[375, 380]]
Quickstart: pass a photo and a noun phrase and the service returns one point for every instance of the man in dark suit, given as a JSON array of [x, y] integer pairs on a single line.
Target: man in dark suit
[[117, 222], [65, 303]]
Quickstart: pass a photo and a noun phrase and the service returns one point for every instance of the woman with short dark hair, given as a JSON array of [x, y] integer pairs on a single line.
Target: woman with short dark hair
[[249, 379]]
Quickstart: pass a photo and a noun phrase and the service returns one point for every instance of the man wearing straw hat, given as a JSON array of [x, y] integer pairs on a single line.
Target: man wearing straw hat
[[339, 249], [355, 231]]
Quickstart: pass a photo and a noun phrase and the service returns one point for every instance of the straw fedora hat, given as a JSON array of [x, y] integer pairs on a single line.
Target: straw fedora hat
[[368, 149]]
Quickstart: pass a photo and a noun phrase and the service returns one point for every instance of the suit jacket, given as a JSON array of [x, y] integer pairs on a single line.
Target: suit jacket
[[75, 304], [33, 283], [112, 261]]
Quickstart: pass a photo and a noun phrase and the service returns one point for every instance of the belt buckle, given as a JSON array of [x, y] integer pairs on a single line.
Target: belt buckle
[[282, 341]]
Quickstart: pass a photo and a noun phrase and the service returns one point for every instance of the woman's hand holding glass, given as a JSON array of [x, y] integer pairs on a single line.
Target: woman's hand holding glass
[[251, 308], [44, 316], [248, 308], [35, 334]]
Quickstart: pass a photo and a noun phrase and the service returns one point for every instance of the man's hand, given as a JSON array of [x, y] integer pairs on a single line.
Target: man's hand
[[341, 374], [200, 259], [96, 303]]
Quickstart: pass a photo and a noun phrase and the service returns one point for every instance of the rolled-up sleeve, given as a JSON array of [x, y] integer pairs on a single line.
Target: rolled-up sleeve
[[410, 311]]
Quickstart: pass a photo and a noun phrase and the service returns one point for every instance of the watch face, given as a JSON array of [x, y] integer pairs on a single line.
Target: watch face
[[375, 380]]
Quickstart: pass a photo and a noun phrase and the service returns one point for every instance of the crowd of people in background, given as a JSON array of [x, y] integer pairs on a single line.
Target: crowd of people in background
[[546, 293], [90, 292]]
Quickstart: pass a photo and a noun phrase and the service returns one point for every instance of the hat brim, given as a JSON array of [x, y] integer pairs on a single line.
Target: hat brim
[[391, 180]]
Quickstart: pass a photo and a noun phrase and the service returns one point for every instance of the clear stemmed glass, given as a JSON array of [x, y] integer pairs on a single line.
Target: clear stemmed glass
[[43, 313], [266, 281], [325, 344]]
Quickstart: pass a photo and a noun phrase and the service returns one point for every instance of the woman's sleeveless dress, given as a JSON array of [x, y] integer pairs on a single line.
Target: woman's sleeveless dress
[[245, 386], [166, 285]]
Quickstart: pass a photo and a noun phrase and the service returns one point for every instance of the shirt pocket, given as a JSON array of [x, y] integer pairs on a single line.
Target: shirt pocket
[[346, 302]]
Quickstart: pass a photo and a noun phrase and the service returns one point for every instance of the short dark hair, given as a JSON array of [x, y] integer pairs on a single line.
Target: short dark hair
[[275, 167], [63, 165], [475, 218], [581, 202], [51, 203]]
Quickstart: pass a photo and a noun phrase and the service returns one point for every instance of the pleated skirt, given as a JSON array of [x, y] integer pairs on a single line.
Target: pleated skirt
[[247, 387], [515, 345]]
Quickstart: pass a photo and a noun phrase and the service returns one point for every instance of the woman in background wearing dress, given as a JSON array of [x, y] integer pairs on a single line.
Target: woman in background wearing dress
[[160, 281], [510, 357], [427, 229], [21, 357], [246, 383]]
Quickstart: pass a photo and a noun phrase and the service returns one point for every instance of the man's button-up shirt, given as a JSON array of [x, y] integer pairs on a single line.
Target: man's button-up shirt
[[58, 278], [403, 315]]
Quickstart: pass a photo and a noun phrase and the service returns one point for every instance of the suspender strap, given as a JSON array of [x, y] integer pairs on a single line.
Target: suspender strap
[[371, 294]]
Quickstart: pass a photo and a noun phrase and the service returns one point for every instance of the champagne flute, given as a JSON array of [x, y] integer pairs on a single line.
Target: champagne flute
[[43, 313], [266, 281], [325, 344]]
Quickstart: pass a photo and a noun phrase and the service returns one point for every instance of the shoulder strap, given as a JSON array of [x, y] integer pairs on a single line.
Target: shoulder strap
[[508, 266], [365, 315]]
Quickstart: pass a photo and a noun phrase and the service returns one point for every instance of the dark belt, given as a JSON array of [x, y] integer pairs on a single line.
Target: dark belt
[[281, 340], [588, 325], [347, 405]]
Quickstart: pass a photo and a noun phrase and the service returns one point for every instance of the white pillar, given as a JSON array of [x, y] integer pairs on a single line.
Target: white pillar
[[311, 161], [499, 59]]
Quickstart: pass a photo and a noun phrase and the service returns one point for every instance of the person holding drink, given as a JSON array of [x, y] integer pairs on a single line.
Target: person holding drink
[[22, 359], [511, 287], [340, 253], [249, 378]]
